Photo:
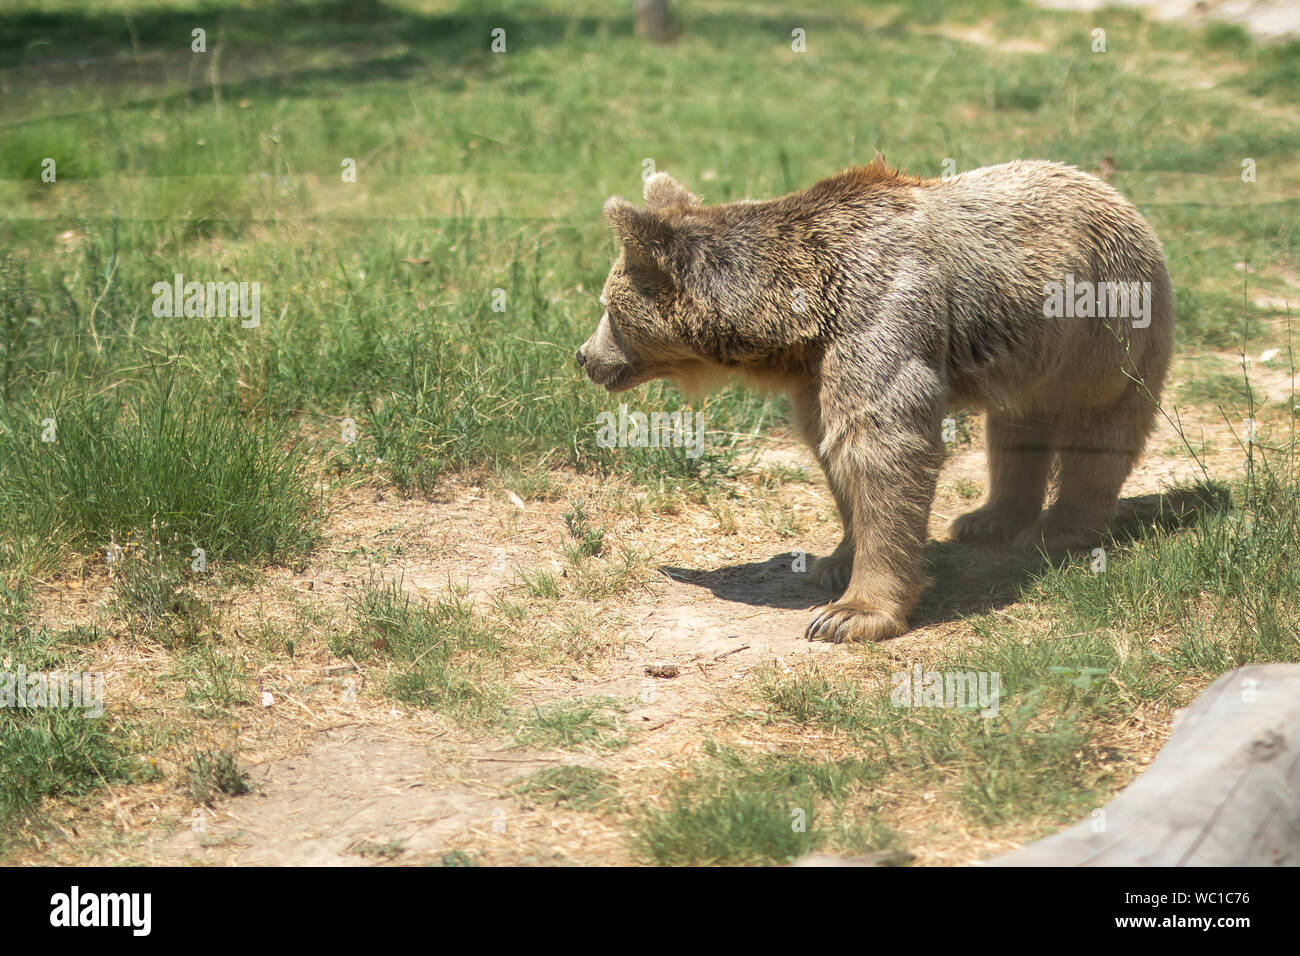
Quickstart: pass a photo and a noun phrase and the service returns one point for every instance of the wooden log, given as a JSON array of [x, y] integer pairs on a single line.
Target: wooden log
[[1224, 791]]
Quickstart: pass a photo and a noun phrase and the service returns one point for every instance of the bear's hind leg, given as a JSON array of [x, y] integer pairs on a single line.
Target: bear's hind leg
[[1020, 457], [1098, 447]]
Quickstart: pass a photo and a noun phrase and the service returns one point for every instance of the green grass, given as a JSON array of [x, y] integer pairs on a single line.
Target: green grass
[[47, 751], [1034, 757], [591, 723], [57, 753], [442, 656], [214, 773], [487, 171], [457, 858], [1276, 70], [736, 810], [213, 680], [165, 469], [570, 787], [587, 540], [153, 598], [384, 851], [1218, 389]]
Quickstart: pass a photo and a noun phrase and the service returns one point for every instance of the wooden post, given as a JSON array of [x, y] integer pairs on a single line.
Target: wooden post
[[652, 20]]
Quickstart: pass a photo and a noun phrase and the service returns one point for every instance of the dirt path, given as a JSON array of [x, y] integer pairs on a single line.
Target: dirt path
[[1266, 19], [373, 784]]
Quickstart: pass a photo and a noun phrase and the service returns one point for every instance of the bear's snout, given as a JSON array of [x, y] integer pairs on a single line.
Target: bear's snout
[[605, 359]]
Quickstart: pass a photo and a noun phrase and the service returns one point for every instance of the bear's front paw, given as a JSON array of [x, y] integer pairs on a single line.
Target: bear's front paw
[[845, 623], [833, 571]]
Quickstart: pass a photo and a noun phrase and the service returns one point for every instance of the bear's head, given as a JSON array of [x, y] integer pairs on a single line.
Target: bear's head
[[645, 331]]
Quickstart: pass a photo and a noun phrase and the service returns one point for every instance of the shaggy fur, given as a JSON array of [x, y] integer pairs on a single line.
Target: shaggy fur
[[880, 300]]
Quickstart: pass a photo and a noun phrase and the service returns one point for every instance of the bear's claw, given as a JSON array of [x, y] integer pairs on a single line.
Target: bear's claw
[[845, 623], [833, 572]]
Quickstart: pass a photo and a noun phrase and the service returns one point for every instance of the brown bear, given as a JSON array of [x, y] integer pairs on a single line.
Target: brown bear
[[1030, 290]]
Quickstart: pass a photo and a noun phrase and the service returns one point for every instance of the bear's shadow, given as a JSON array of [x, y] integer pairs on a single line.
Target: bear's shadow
[[966, 579]]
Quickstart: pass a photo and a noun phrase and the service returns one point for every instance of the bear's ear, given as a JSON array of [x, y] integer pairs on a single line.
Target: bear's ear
[[661, 191], [647, 236]]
